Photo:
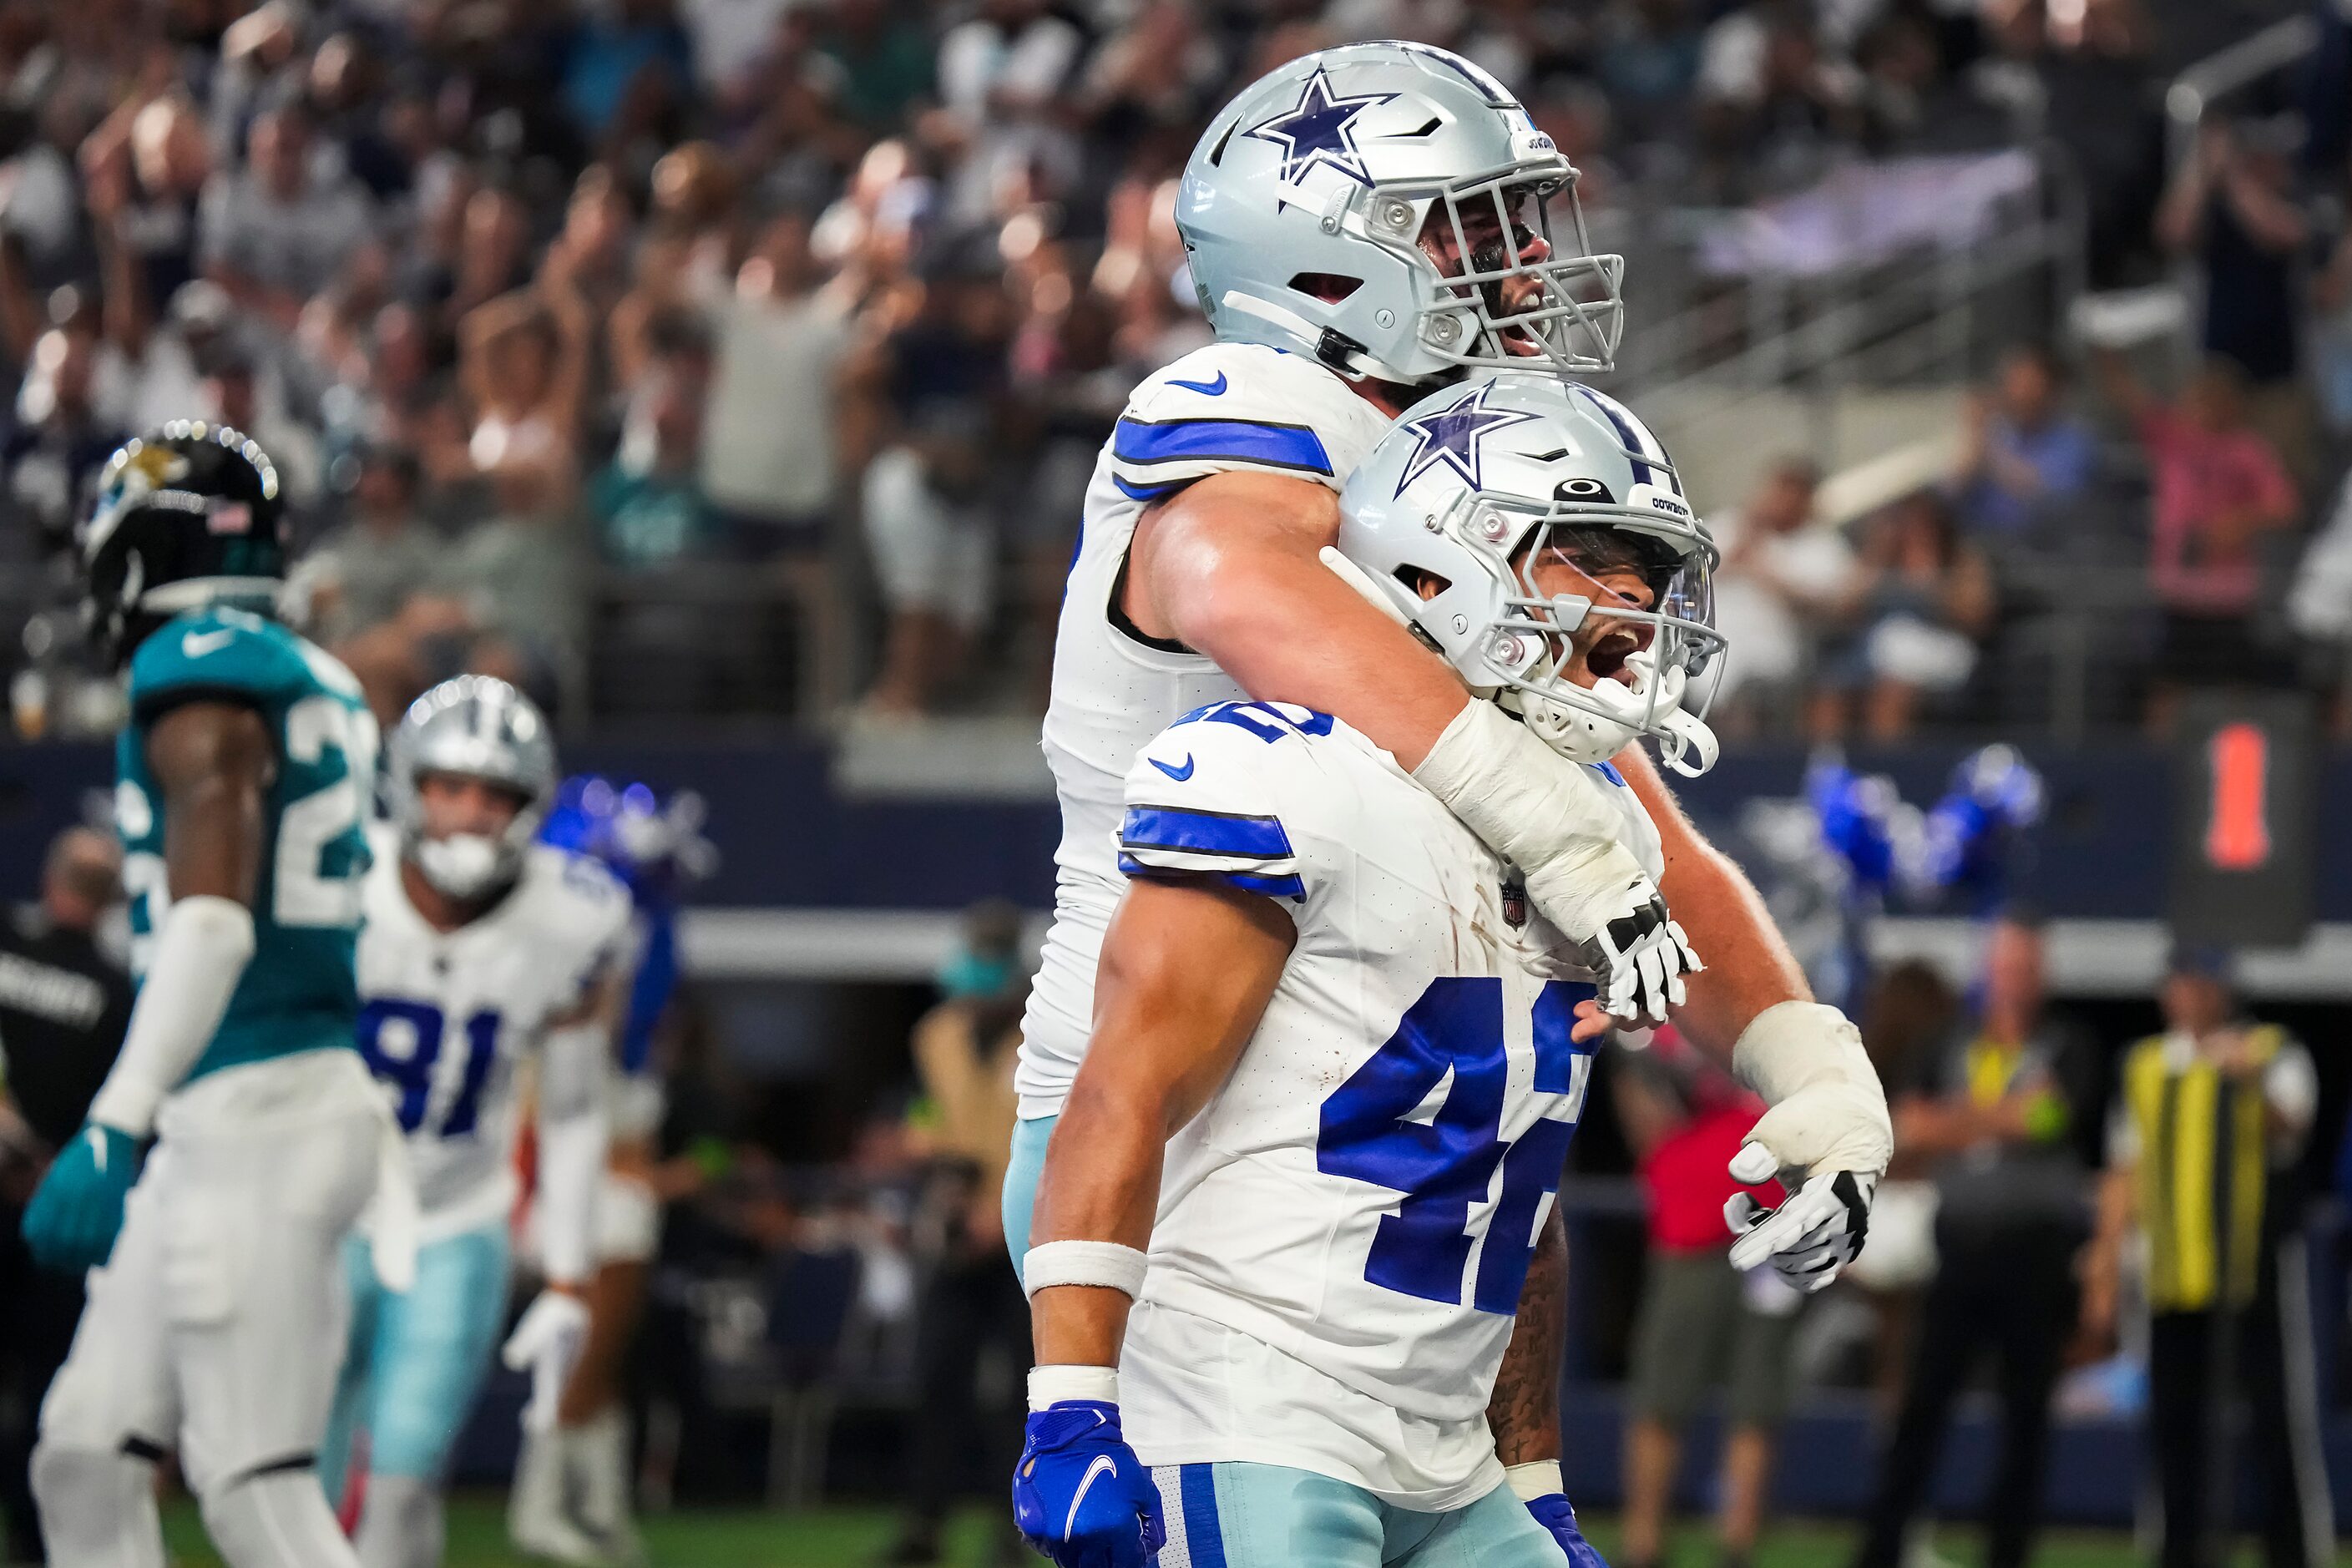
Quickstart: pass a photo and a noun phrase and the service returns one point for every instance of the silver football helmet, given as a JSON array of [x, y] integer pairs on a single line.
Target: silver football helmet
[[476, 727], [1473, 488], [1313, 204]]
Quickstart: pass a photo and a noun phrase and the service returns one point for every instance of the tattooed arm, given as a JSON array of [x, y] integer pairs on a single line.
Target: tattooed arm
[[1525, 1411]]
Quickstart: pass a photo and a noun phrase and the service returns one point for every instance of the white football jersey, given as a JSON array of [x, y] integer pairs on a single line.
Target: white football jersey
[[1344, 1230], [446, 1017], [1229, 406]]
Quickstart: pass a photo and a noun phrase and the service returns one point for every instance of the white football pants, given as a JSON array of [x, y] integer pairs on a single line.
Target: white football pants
[[218, 1327]]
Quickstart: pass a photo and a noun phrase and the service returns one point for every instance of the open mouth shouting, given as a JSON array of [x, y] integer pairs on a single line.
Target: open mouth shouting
[[1604, 658]]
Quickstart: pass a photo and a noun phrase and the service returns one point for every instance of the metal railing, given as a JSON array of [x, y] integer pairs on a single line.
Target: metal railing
[[1926, 313], [2229, 71], [2218, 77], [765, 639]]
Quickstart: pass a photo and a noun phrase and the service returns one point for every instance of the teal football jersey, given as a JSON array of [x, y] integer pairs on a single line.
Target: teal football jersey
[[298, 993]]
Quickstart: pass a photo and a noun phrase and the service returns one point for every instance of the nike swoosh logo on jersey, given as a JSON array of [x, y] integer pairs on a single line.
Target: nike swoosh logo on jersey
[[1104, 1465], [1205, 388], [1178, 775], [195, 645]]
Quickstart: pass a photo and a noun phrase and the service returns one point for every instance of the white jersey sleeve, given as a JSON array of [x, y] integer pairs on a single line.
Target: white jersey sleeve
[[1234, 406], [1207, 796], [586, 912]]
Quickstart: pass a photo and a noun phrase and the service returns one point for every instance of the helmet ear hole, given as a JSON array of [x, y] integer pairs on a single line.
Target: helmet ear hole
[[1328, 287], [1428, 585]]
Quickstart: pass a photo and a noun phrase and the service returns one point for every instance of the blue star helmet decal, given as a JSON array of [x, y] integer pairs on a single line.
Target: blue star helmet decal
[[1452, 433], [1315, 132]]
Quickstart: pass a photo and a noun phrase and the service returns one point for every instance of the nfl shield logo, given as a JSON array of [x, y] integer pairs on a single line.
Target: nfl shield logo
[[1514, 903]]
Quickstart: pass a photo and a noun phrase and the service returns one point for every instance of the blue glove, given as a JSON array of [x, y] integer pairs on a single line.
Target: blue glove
[[1080, 1495], [72, 1221], [1553, 1513]]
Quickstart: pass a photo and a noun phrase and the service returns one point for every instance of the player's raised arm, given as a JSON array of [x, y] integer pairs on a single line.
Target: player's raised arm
[[1187, 967], [213, 762], [1230, 568]]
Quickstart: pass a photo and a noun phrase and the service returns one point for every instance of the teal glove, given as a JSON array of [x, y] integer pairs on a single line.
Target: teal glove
[[74, 1217]]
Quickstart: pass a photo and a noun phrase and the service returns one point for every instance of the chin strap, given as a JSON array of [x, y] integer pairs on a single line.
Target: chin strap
[[1690, 747], [1349, 358], [1389, 599]]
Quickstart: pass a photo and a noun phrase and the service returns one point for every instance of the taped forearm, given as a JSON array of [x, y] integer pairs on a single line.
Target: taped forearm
[[1530, 807], [199, 955], [574, 1137], [1793, 1044], [1829, 1109], [571, 1171], [1536, 1479]]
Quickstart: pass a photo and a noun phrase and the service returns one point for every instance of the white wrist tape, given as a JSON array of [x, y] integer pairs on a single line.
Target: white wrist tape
[[1792, 1044], [1104, 1263], [1828, 1111], [570, 1176], [1545, 815], [1530, 1481], [627, 1217], [573, 1142], [1049, 1385], [199, 955]]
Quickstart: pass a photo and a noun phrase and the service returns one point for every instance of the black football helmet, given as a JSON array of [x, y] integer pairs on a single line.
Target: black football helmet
[[187, 515]]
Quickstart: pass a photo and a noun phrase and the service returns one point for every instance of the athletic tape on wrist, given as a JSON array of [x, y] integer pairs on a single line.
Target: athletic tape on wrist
[[1530, 1481], [1104, 1263], [1548, 816], [1791, 1043], [1050, 1385]]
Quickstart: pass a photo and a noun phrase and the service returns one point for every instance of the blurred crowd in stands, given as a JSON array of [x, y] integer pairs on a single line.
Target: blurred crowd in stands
[[752, 355]]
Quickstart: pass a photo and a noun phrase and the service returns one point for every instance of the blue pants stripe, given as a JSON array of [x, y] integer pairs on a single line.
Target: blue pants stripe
[[1202, 1540]]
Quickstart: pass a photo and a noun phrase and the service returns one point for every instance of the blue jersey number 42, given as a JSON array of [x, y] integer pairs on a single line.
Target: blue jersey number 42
[[1445, 1165]]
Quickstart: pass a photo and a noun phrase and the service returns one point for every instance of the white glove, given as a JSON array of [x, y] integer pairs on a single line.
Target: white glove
[[1827, 1137], [1641, 953], [1810, 1238], [548, 1342]]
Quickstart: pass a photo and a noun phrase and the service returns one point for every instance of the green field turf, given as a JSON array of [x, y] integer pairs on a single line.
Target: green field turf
[[848, 1537]]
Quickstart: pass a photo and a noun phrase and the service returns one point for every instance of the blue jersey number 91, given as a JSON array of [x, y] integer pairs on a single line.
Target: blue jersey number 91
[[403, 1041]]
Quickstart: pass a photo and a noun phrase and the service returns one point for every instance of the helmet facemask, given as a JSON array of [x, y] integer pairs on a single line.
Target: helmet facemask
[[1650, 662], [1501, 289], [471, 728], [472, 864]]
